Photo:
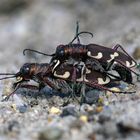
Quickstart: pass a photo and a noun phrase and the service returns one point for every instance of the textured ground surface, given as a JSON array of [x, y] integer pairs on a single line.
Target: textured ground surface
[[43, 25]]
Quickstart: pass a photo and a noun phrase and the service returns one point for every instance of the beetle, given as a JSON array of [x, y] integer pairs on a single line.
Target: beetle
[[60, 77], [36, 72], [105, 56]]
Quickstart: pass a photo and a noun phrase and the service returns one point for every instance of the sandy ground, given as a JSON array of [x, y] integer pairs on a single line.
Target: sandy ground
[[43, 25]]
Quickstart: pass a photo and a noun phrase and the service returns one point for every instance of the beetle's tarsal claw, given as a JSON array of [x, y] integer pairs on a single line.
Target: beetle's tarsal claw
[[5, 99]]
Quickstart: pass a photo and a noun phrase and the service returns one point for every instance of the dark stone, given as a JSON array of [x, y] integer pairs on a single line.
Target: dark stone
[[70, 110], [33, 103], [92, 96], [103, 119], [13, 126], [52, 133], [22, 108]]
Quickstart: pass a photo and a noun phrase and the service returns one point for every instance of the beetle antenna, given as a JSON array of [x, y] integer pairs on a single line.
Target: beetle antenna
[[13, 75], [8, 77], [78, 34], [7, 74], [31, 50], [77, 31]]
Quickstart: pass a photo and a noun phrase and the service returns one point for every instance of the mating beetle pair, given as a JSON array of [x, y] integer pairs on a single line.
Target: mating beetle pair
[[100, 58], [65, 67], [97, 57]]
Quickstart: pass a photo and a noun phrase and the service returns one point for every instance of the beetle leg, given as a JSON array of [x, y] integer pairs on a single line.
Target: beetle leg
[[110, 65], [115, 60], [8, 96], [32, 87], [127, 67], [83, 88], [73, 94], [95, 85], [119, 46], [74, 74], [125, 74]]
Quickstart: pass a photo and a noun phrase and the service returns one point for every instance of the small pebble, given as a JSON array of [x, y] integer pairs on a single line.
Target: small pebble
[[100, 101], [14, 107], [115, 89], [106, 103], [69, 110], [83, 118], [86, 108], [104, 118], [13, 126], [92, 96], [22, 108], [33, 103], [99, 109], [51, 133], [54, 110]]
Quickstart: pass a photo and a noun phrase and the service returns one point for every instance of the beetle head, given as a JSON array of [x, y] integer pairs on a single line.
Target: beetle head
[[60, 50], [26, 72]]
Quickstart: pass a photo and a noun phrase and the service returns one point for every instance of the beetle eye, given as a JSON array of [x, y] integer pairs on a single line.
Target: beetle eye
[[25, 70], [62, 52]]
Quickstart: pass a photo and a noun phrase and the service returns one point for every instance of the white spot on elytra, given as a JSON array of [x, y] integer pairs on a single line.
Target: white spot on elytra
[[88, 71], [113, 56], [130, 65], [81, 78], [102, 82], [65, 75], [57, 63], [98, 56]]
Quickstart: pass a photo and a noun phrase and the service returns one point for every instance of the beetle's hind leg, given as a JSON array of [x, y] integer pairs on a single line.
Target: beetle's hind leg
[[95, 85], [116, 47], [125, 74]]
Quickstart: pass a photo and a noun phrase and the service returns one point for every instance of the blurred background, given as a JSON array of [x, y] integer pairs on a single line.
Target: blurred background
[[44, 24]]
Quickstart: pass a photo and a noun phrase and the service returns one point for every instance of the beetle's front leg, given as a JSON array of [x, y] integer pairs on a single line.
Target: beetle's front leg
[[8, 96]]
